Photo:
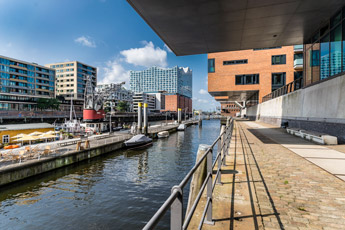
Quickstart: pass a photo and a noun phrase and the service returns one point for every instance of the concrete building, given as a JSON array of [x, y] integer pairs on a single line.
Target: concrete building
[[248, 75], [71, 78], [115, 93], [172, 81], [316, 104], [22, 83], [144, 98]]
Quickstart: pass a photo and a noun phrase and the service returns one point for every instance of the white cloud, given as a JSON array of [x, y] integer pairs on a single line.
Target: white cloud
[[202, 100], [167, 48], [85, 41], [202, 91], [146, 56], [115, 73]]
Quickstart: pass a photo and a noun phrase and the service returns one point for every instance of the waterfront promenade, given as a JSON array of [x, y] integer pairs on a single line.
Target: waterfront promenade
[[272, 181]]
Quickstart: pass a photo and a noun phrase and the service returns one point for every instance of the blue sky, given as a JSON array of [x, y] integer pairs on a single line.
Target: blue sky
[[108, 34]]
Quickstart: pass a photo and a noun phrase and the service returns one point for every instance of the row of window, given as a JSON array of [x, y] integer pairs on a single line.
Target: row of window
[[278, 80], [276, 60], [64, 70], [235, 62], [247, 79], [61, 65], [65, 85]]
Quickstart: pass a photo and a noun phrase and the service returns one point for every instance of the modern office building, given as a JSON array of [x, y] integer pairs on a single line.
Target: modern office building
[[23, 83], [248, 75], [144, 98], [115, 93], [171, 81], [71, 79]]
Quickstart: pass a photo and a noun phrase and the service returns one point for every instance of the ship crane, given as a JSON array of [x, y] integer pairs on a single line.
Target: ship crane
[[93, 102]]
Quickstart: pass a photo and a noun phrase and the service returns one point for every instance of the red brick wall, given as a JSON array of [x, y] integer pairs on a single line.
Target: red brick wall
[[259, 61], [173, 102]]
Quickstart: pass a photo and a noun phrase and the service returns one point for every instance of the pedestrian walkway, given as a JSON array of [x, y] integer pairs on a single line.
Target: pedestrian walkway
[[326, 158], [270, 182]]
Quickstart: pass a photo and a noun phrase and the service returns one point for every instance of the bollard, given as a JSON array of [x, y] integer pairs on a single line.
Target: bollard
[[198, 177], [139, 118], [179, 119], [145, 119]]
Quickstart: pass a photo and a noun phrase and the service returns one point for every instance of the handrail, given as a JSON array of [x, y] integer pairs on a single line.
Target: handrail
[[174, 201], [291, 87]]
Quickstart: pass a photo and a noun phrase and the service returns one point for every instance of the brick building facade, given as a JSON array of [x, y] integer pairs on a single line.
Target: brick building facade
[[248, 75], [173, 102]]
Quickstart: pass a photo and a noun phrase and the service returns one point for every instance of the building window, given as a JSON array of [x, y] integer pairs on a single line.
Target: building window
[[5, 139], [211, 65], [235, 62], [278, 80], [248, 79], [278, 59]]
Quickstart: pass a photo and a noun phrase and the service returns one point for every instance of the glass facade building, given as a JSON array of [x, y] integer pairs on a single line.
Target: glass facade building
[[22, 83], [174, 80], [325, 52]]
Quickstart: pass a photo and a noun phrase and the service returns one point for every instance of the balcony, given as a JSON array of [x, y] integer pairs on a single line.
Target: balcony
[[298, 48], [298, 64]]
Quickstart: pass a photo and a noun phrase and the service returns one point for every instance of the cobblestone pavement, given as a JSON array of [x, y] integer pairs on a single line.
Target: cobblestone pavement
[[289, 192]]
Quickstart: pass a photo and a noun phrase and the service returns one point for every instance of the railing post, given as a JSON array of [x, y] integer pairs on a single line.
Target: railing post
[[209, 188], [220, 145], [176, 210]]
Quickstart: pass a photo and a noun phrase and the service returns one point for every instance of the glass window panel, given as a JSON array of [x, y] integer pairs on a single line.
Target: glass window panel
[[336, 51], [324, 56], [343, 38], [315, 68], [278, 80], [211, 66]]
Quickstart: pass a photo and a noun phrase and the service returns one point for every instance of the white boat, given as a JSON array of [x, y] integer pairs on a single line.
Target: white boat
[[163, 134], [181, 127], [138, 140]]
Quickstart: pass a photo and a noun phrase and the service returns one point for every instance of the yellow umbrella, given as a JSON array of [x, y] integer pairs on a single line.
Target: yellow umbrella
[[19, 135], [36, 133], [27, 138], [46, 136]]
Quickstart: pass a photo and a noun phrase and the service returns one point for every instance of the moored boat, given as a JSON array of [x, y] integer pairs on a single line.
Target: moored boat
[[163, 134], [137, 141], [181, 127]]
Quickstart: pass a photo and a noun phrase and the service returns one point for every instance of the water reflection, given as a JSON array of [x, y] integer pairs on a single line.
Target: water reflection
[[121, 189]]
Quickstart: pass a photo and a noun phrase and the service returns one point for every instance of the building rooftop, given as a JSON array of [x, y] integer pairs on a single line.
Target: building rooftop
[[25, 126]]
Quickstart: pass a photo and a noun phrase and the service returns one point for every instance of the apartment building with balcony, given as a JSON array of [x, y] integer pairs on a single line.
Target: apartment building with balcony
[[23, 83], [248, 75], [71, 79]]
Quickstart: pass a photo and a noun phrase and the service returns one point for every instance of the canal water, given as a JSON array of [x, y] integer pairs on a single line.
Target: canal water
[[121, 190]]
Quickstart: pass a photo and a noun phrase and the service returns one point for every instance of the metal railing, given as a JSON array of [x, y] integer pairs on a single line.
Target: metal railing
[[291, 87], [175, 200]]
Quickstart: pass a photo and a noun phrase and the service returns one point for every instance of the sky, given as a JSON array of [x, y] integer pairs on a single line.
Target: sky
[[107, 34]]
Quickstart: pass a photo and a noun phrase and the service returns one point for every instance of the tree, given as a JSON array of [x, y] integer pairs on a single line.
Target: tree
[[45, 103], [122, 106]]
